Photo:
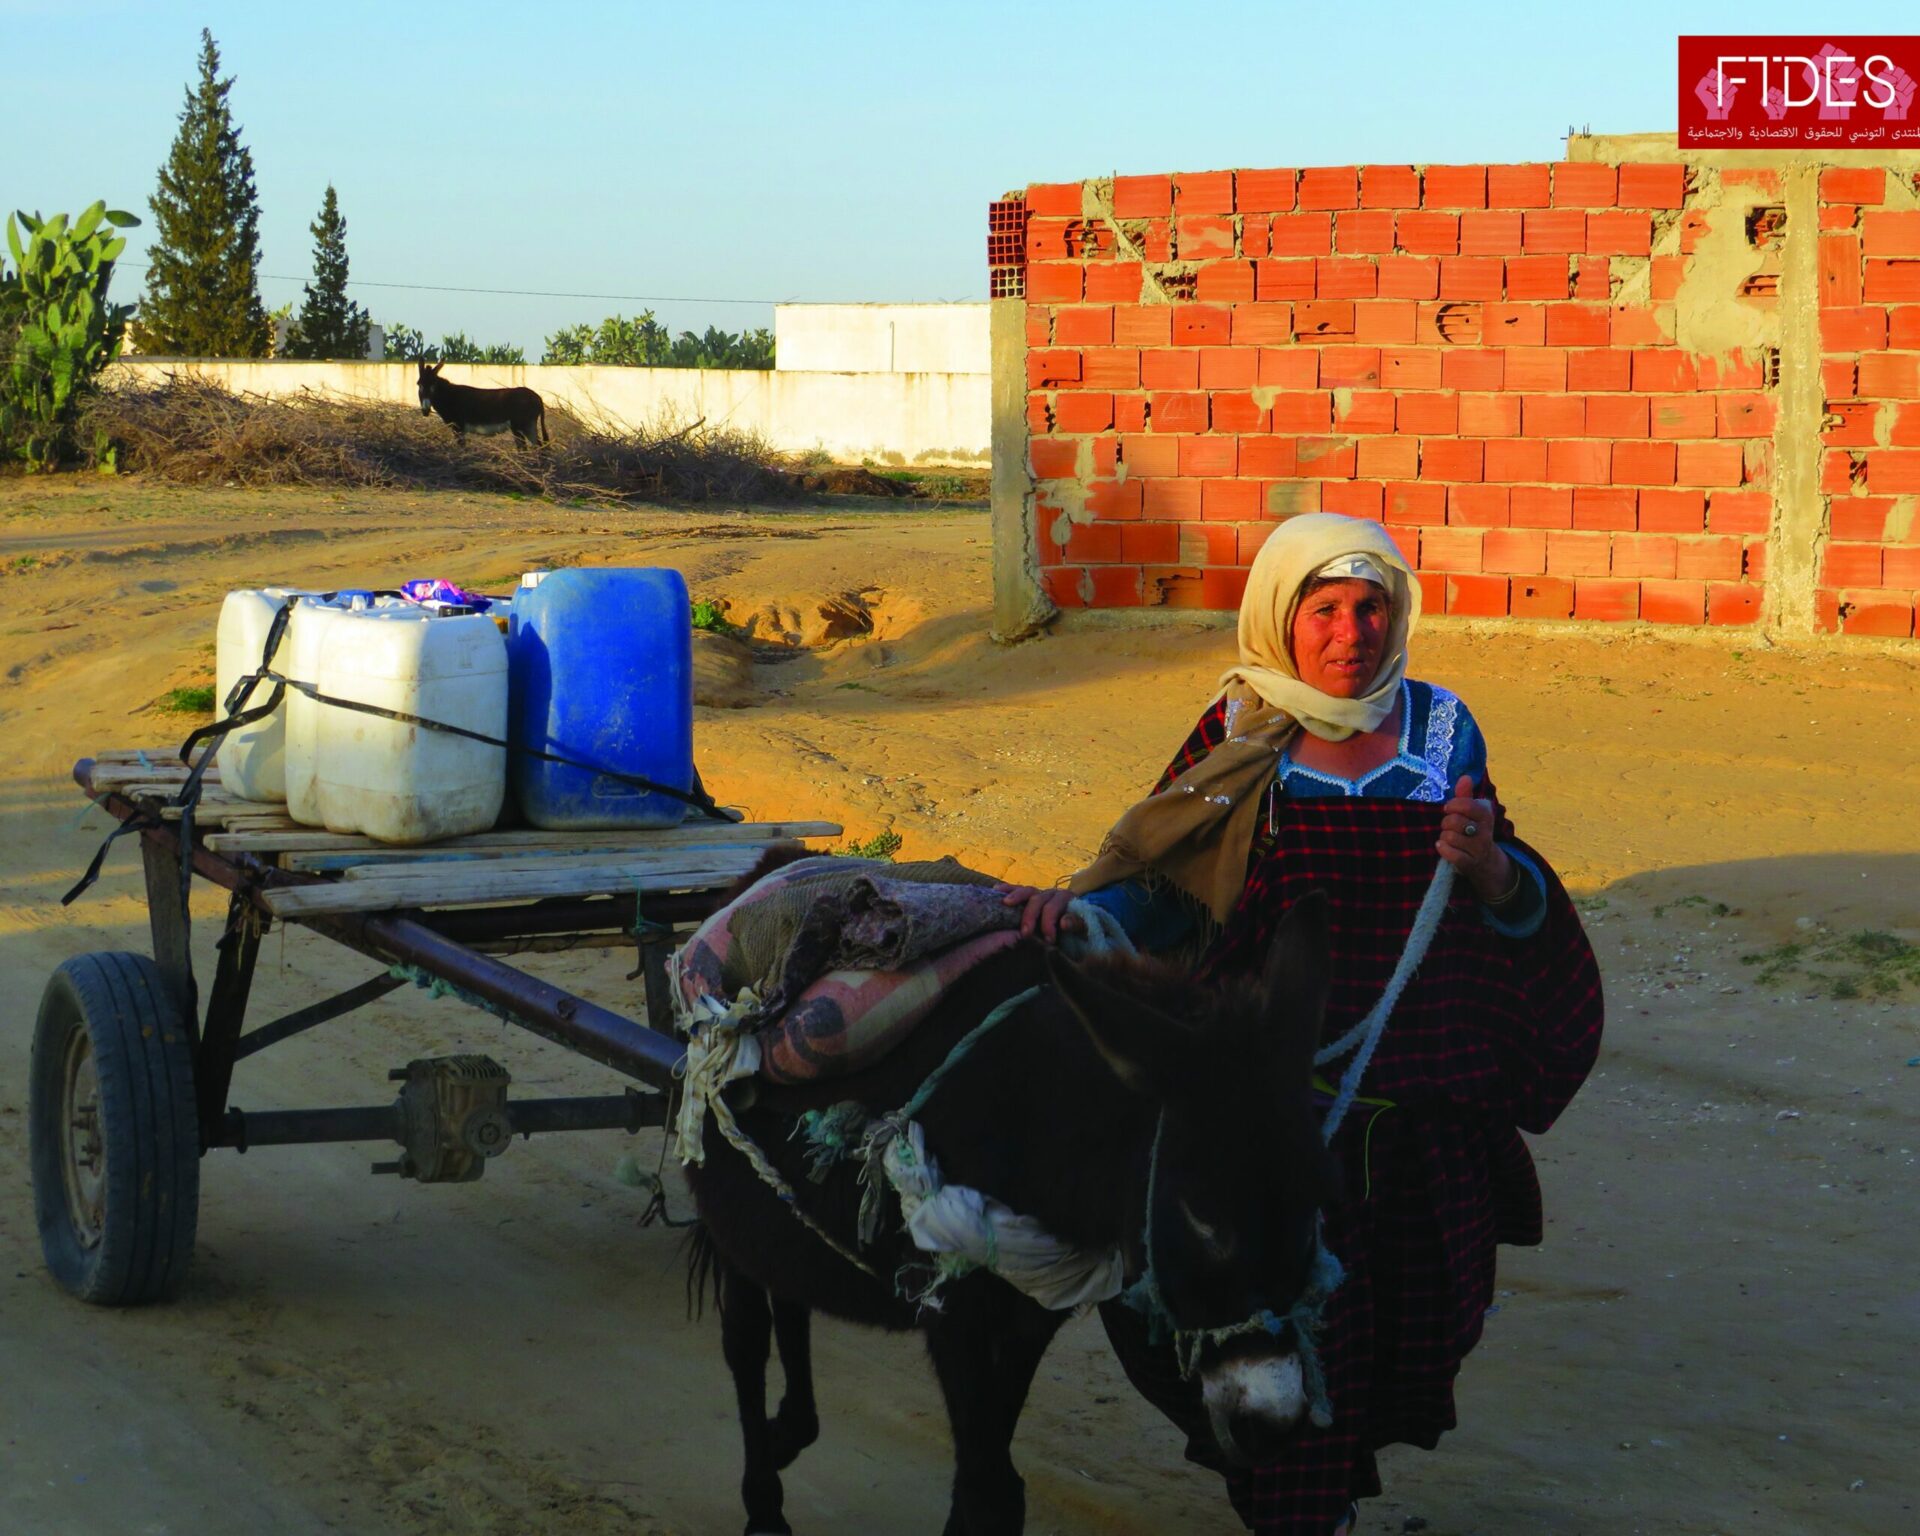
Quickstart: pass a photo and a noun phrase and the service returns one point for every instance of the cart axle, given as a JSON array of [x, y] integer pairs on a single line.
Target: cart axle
[[631, 1111]]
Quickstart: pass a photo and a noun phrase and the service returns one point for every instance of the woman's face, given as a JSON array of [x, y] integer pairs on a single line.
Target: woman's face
[[1339, 633]]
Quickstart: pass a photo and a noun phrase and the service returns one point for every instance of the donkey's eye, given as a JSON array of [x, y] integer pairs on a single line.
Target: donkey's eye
[[1217, 1243]]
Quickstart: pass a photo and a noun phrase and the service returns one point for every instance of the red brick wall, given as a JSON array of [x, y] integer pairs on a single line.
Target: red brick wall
[[1869, 578], [1485, 358]]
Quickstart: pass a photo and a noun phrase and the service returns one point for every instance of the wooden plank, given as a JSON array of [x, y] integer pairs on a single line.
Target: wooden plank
[[308, 840], [363, 866], [483, 877], [132, 776], [214, 813], [167, 754], [451, 888], [432, 869]]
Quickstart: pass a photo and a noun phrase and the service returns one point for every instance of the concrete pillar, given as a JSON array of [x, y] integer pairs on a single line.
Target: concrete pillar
[[1020, 607], [1799, 533]]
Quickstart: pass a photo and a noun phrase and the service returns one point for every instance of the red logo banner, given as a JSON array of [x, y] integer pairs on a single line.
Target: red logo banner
[[1799, 92]]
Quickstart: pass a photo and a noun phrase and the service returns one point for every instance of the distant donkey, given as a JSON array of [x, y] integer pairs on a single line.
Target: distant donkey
[[485, 411]]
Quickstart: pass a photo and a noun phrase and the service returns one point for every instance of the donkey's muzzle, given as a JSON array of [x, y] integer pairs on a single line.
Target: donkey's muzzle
[[1254, 1404]]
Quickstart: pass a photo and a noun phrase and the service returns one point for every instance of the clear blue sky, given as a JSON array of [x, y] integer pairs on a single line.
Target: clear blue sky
[[787, 151]]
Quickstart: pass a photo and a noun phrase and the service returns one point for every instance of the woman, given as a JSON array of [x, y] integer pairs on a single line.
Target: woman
[[1322, 766]]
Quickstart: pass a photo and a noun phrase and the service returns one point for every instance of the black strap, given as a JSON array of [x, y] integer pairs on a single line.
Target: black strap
[[238, 715], [131, 824], [697, 797]]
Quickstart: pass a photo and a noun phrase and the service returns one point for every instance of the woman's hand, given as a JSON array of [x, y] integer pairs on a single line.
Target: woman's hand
[[1466, 842], [1046, 915]]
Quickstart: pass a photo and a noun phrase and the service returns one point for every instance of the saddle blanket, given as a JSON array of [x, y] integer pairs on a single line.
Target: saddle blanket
[[844, 956]]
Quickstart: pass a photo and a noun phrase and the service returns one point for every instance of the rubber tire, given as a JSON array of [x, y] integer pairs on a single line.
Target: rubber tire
[[149, 1130]]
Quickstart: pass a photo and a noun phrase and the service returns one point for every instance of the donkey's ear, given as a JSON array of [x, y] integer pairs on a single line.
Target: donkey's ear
[[1296, 981], [1139, 1043]]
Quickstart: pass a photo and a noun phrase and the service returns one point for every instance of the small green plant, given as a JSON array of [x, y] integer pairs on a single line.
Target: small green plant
[[1867, 963], [21, 563], [944, 487], [188, 701], [882, 845], [711, 617], [1716, 908]]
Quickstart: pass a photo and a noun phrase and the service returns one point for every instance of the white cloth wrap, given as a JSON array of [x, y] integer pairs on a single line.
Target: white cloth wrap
[[953, 1219]]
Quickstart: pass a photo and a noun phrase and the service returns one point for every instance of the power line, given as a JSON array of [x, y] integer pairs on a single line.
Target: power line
[[516, 293]]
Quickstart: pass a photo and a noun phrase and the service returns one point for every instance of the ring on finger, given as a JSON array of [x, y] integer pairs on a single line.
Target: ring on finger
[[1471, 829]]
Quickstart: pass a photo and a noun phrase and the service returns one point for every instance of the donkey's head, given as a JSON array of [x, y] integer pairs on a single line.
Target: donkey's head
[[429, 376], [1239, 1171]]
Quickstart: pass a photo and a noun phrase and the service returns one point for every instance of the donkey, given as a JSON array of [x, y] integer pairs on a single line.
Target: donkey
[[485, 411], [1122, 1108]]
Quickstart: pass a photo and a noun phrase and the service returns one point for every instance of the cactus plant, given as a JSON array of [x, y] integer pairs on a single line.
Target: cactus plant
[[64, 332]]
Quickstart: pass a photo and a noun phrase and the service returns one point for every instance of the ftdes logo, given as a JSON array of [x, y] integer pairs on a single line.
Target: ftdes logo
[[1782, 92]]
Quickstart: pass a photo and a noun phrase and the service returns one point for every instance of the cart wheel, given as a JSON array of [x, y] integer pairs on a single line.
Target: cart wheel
[[114, 1132]]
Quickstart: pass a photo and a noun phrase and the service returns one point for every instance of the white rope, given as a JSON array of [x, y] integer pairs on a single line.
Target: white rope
[[1366, 1034], [1105, 935]]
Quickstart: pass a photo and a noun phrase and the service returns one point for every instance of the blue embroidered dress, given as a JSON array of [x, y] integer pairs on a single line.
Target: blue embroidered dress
[[1440, 741]]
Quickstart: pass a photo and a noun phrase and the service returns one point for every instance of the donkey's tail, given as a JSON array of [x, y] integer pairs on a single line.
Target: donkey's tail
[[542, 422]]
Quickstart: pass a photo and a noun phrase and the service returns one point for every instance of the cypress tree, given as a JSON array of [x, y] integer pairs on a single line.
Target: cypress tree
[[203, 287], [329, 323]]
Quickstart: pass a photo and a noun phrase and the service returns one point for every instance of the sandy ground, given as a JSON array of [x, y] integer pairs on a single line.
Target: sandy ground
[[1719, 1334]]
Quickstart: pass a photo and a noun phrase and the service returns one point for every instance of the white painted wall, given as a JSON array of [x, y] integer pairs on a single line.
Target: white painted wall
[[881, 338], [892, 418]]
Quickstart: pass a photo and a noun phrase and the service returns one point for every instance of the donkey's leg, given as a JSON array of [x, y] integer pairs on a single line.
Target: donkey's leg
[[746, 1331], [797, 1425], [985, 1348]]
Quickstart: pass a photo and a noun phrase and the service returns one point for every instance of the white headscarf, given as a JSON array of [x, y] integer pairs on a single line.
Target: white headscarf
[[1197, 834], [1298, 550]]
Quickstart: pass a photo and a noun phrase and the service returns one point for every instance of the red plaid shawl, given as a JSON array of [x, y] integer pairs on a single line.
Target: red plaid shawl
[[1492, 1034]]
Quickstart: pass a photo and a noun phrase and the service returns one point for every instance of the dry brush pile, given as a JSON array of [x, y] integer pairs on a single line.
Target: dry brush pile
[[192, 431]]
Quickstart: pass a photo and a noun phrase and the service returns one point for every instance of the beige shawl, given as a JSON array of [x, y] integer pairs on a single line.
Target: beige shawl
[[1197, 833]]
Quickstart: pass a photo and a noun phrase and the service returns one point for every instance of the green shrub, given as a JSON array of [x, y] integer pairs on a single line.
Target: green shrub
[[59, 329], [644, 342]]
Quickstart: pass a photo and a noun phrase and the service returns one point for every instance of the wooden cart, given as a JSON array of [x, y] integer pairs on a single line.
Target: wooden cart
[[132, 1069]]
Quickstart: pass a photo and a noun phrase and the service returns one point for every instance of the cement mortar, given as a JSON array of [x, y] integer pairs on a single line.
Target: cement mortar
[[1710, 316]]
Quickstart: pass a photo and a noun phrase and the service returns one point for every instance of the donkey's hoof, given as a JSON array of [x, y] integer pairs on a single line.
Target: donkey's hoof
[[789, 1434]]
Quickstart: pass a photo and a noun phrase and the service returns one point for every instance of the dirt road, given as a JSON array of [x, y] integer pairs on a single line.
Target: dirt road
[[1717, 1336]]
